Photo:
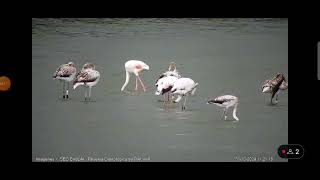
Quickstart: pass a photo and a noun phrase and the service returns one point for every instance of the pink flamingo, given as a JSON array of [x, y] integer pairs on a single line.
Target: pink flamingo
[[134, 66]]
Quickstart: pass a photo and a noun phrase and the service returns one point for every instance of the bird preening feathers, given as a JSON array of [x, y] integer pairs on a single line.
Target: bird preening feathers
[[278, 82], [66, 74], [87, 77]]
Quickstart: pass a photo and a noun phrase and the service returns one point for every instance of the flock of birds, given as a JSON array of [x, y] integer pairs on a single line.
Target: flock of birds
[[170, 83], [87, 77]]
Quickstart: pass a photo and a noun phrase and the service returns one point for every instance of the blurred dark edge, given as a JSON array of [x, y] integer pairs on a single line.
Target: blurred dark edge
[[16, 106], [303, 38]]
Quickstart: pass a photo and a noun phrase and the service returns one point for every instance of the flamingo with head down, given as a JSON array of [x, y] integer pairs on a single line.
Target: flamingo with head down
[[226, 101], [135, 67]]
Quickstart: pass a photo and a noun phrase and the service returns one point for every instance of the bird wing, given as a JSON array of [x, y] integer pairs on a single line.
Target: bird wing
[[266, 82], [55, 74], [225, 98], [86, 76], [160, 78], [183, 84], [277, 83], [64, 71]]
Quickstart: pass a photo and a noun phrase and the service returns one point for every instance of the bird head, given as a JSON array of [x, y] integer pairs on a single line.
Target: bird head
[[71, 64], [144, 66], [210, 101], [88, 66], [172, 66], [266, 88]]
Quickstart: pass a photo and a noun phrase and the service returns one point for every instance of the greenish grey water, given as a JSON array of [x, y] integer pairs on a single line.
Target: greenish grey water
[[226, 56]]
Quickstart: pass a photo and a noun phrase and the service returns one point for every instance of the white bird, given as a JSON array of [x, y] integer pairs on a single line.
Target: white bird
[[135, 67], [226, 101], [183, 87], [87, 77], [273, 86], [172, 71], [165, 84], [66, 74]]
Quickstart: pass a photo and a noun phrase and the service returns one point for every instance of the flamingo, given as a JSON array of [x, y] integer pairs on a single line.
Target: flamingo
[[273, 86], [87, 77], [172, 71], [65, 73], [165, 84], [134, 66], [183, 87], [226, 101]]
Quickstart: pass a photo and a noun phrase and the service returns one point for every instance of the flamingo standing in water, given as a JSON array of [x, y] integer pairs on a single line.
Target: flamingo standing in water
[[184, 87], [274, 85], [164, 86], [66, 74], [87, 77], [172, 71], [135, 67], [226, 101]]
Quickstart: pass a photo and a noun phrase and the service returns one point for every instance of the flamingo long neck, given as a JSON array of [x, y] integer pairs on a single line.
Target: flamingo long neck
[[76, 85], [235, 111], [127, 80]]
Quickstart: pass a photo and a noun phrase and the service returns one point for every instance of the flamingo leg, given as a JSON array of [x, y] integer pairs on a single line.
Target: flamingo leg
[[144, 89], [136, 89], [67, 95], [85, 95], [272, 100], [62, 86], [63, 90], [277, 94], [184, 104], [89, 93], [224, 114]]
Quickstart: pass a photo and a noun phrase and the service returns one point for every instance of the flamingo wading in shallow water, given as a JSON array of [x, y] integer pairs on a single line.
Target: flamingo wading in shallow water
[[66, 74], [183, 87], [226, 101], [164, 85], [135, 67], [172, 72], [87, 77]]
